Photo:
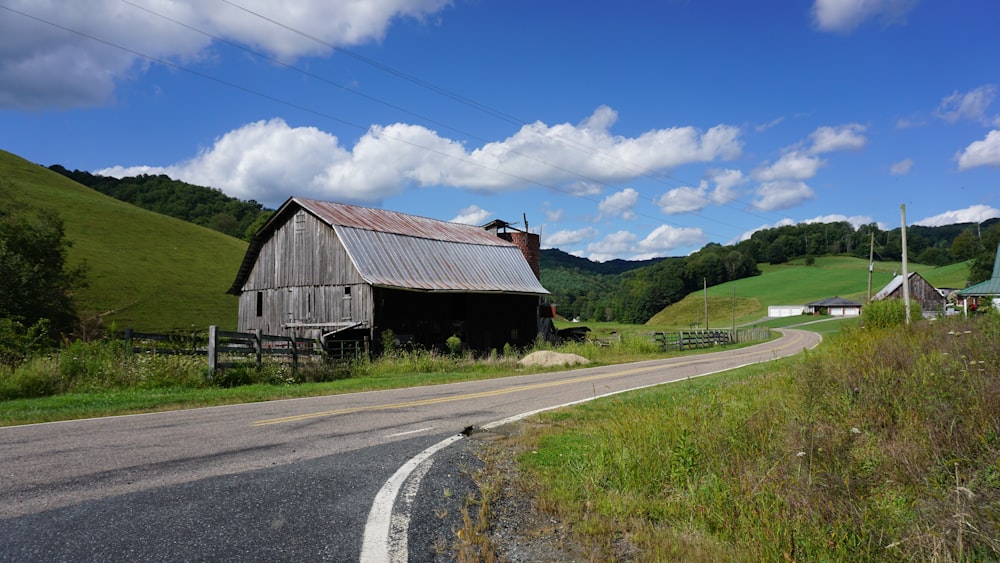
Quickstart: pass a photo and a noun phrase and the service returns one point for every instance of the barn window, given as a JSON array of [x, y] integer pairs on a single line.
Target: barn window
[[347, 292], [260, 303]]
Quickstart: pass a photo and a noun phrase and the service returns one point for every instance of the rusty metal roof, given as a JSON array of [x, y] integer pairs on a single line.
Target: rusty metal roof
[[392, 249]]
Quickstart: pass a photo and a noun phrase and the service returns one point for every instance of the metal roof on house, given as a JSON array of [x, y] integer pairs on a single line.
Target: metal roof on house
[[392, 249], [988, 287]]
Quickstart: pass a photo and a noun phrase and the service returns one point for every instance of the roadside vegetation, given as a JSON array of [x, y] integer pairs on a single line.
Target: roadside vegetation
[[882, 444]]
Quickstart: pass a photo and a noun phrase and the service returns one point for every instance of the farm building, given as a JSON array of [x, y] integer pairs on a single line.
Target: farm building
[[930, 299], [834, 306], [983, 293], [341, 272]]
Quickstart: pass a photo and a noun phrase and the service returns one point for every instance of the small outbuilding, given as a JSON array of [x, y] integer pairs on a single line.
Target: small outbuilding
[[985, 292], [930, 299], [333, 271], [834, 306]]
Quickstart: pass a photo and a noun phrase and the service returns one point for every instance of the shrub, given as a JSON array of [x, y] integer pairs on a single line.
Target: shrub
[[888, 313]]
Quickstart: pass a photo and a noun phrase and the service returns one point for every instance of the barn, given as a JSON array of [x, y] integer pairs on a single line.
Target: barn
[[332, 271], [930, 299]]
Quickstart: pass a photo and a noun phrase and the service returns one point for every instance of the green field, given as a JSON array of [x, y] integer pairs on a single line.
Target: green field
[[146, 271], [797, 284]]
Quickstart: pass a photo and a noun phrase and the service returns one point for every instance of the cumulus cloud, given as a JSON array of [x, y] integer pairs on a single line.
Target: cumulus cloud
[[981, 153], [902, 167], [971, 106], [794, 165], [661, 241], [619, 204], [746, 236], [266, 160], [844, 137], [781, 194], [972, 214], [684, 199], [44, 66], [472, 215], [843, 16], [727, 183], [567, 237]]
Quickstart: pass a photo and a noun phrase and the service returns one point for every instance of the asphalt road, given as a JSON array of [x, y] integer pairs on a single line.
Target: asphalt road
[[320, 479]]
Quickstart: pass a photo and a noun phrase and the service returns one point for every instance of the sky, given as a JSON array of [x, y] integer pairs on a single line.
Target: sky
[[632, 129]]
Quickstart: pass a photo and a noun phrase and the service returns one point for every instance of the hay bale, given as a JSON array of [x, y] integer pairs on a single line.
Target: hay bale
[[547, 358]]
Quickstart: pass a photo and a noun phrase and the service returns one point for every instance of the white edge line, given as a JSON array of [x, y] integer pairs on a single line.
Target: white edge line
[[376, 544], [379, 547]]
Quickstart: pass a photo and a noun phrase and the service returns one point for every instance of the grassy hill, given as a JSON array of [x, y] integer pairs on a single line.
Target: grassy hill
[[146, 271], [796, 284]]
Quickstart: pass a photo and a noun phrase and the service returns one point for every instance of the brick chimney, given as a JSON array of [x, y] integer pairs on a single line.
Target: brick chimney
[[529, 243]]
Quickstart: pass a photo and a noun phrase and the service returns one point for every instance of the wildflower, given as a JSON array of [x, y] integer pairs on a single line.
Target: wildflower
[[800, 454], [855, 430]]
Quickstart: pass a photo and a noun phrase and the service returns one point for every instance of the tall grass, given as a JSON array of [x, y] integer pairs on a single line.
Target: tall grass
[[883, 445]]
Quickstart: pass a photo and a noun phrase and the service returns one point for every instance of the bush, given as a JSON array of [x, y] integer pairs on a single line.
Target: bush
[[889, 313]]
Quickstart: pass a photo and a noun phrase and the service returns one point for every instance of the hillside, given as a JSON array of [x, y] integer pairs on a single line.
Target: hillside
[[796, 284], [146, 271]]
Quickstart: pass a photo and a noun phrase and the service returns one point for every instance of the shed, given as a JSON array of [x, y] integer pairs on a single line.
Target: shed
[[930, 299], [335, 271], [987, 290], [835, 306]]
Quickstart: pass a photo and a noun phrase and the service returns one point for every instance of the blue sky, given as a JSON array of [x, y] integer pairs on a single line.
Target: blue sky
[[628, 130]]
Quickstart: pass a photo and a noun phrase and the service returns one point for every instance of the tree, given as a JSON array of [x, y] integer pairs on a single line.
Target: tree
[[35, 282], [966, 246]]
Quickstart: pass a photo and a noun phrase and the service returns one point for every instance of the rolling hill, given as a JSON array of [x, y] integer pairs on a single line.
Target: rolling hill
[[147, 271], [796, 284]]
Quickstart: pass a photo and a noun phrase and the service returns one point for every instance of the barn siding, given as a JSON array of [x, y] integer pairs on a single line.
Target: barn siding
[[302, 272]]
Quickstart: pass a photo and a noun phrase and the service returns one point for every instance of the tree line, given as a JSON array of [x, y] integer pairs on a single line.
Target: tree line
[[200, 205], [632, 292]]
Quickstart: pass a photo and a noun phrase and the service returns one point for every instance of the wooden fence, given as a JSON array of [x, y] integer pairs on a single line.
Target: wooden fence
[[690, 339], [226, 349]]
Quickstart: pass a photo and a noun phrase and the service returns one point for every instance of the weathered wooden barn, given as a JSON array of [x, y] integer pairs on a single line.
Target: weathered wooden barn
[[930, 299], [334, 271]]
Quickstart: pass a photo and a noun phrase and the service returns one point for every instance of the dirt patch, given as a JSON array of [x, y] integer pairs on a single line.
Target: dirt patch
[[548, 358]]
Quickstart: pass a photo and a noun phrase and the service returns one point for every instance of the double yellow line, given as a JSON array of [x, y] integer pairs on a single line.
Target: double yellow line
[[495, 392]]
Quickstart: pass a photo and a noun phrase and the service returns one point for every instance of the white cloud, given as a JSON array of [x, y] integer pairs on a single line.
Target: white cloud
[[665, 238], [781, 194], [43, 66], [268, 159], [855, 220], [619, 204], [981, 153], [844, 16], [661, 241], [845, 137], [612, 246], [793, 165], [972, 214], [553, 215], [782, 223], [902, 167], [971, 105], [472, 215], [684, 199], [727, 184], [568, 237]]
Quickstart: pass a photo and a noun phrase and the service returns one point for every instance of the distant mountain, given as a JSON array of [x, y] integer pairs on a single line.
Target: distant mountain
[[555, 258]]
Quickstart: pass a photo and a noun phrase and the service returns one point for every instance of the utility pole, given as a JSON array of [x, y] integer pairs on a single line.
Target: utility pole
[[871, 264], [906, 273]]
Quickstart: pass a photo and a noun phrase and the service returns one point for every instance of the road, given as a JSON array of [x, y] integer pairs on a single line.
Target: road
[[316, 479]]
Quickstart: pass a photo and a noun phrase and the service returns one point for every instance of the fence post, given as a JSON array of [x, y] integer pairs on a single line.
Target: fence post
[[213, 350], [128, 342], [258, 346]]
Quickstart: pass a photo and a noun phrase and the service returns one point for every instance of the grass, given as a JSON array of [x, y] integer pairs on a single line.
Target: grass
[[146, 271], [880, 445]]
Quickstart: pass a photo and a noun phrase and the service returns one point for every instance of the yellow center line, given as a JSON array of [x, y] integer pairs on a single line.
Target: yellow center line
[[481, 394]]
